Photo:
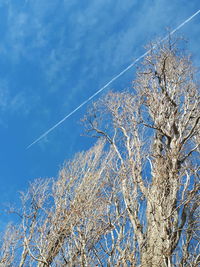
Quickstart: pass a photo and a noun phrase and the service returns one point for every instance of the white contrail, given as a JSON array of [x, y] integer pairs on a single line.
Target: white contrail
[[111, 81]]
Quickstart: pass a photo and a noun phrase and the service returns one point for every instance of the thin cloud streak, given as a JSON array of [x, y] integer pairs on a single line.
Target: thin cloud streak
[[111, 81]]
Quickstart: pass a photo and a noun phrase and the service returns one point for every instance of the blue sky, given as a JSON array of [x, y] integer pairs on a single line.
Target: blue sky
[[54, 54]]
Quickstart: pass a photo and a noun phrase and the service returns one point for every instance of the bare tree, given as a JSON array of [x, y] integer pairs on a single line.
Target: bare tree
[[154, 132], [132, 199], [62, 219]]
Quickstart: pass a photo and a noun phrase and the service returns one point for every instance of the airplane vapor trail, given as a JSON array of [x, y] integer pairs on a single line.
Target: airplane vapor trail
[[111, 81]]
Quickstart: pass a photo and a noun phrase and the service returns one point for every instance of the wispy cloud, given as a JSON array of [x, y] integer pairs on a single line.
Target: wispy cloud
[[13, 104], [4, 95]]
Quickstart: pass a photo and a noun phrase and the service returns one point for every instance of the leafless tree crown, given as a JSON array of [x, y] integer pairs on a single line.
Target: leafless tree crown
[[132, 199]]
